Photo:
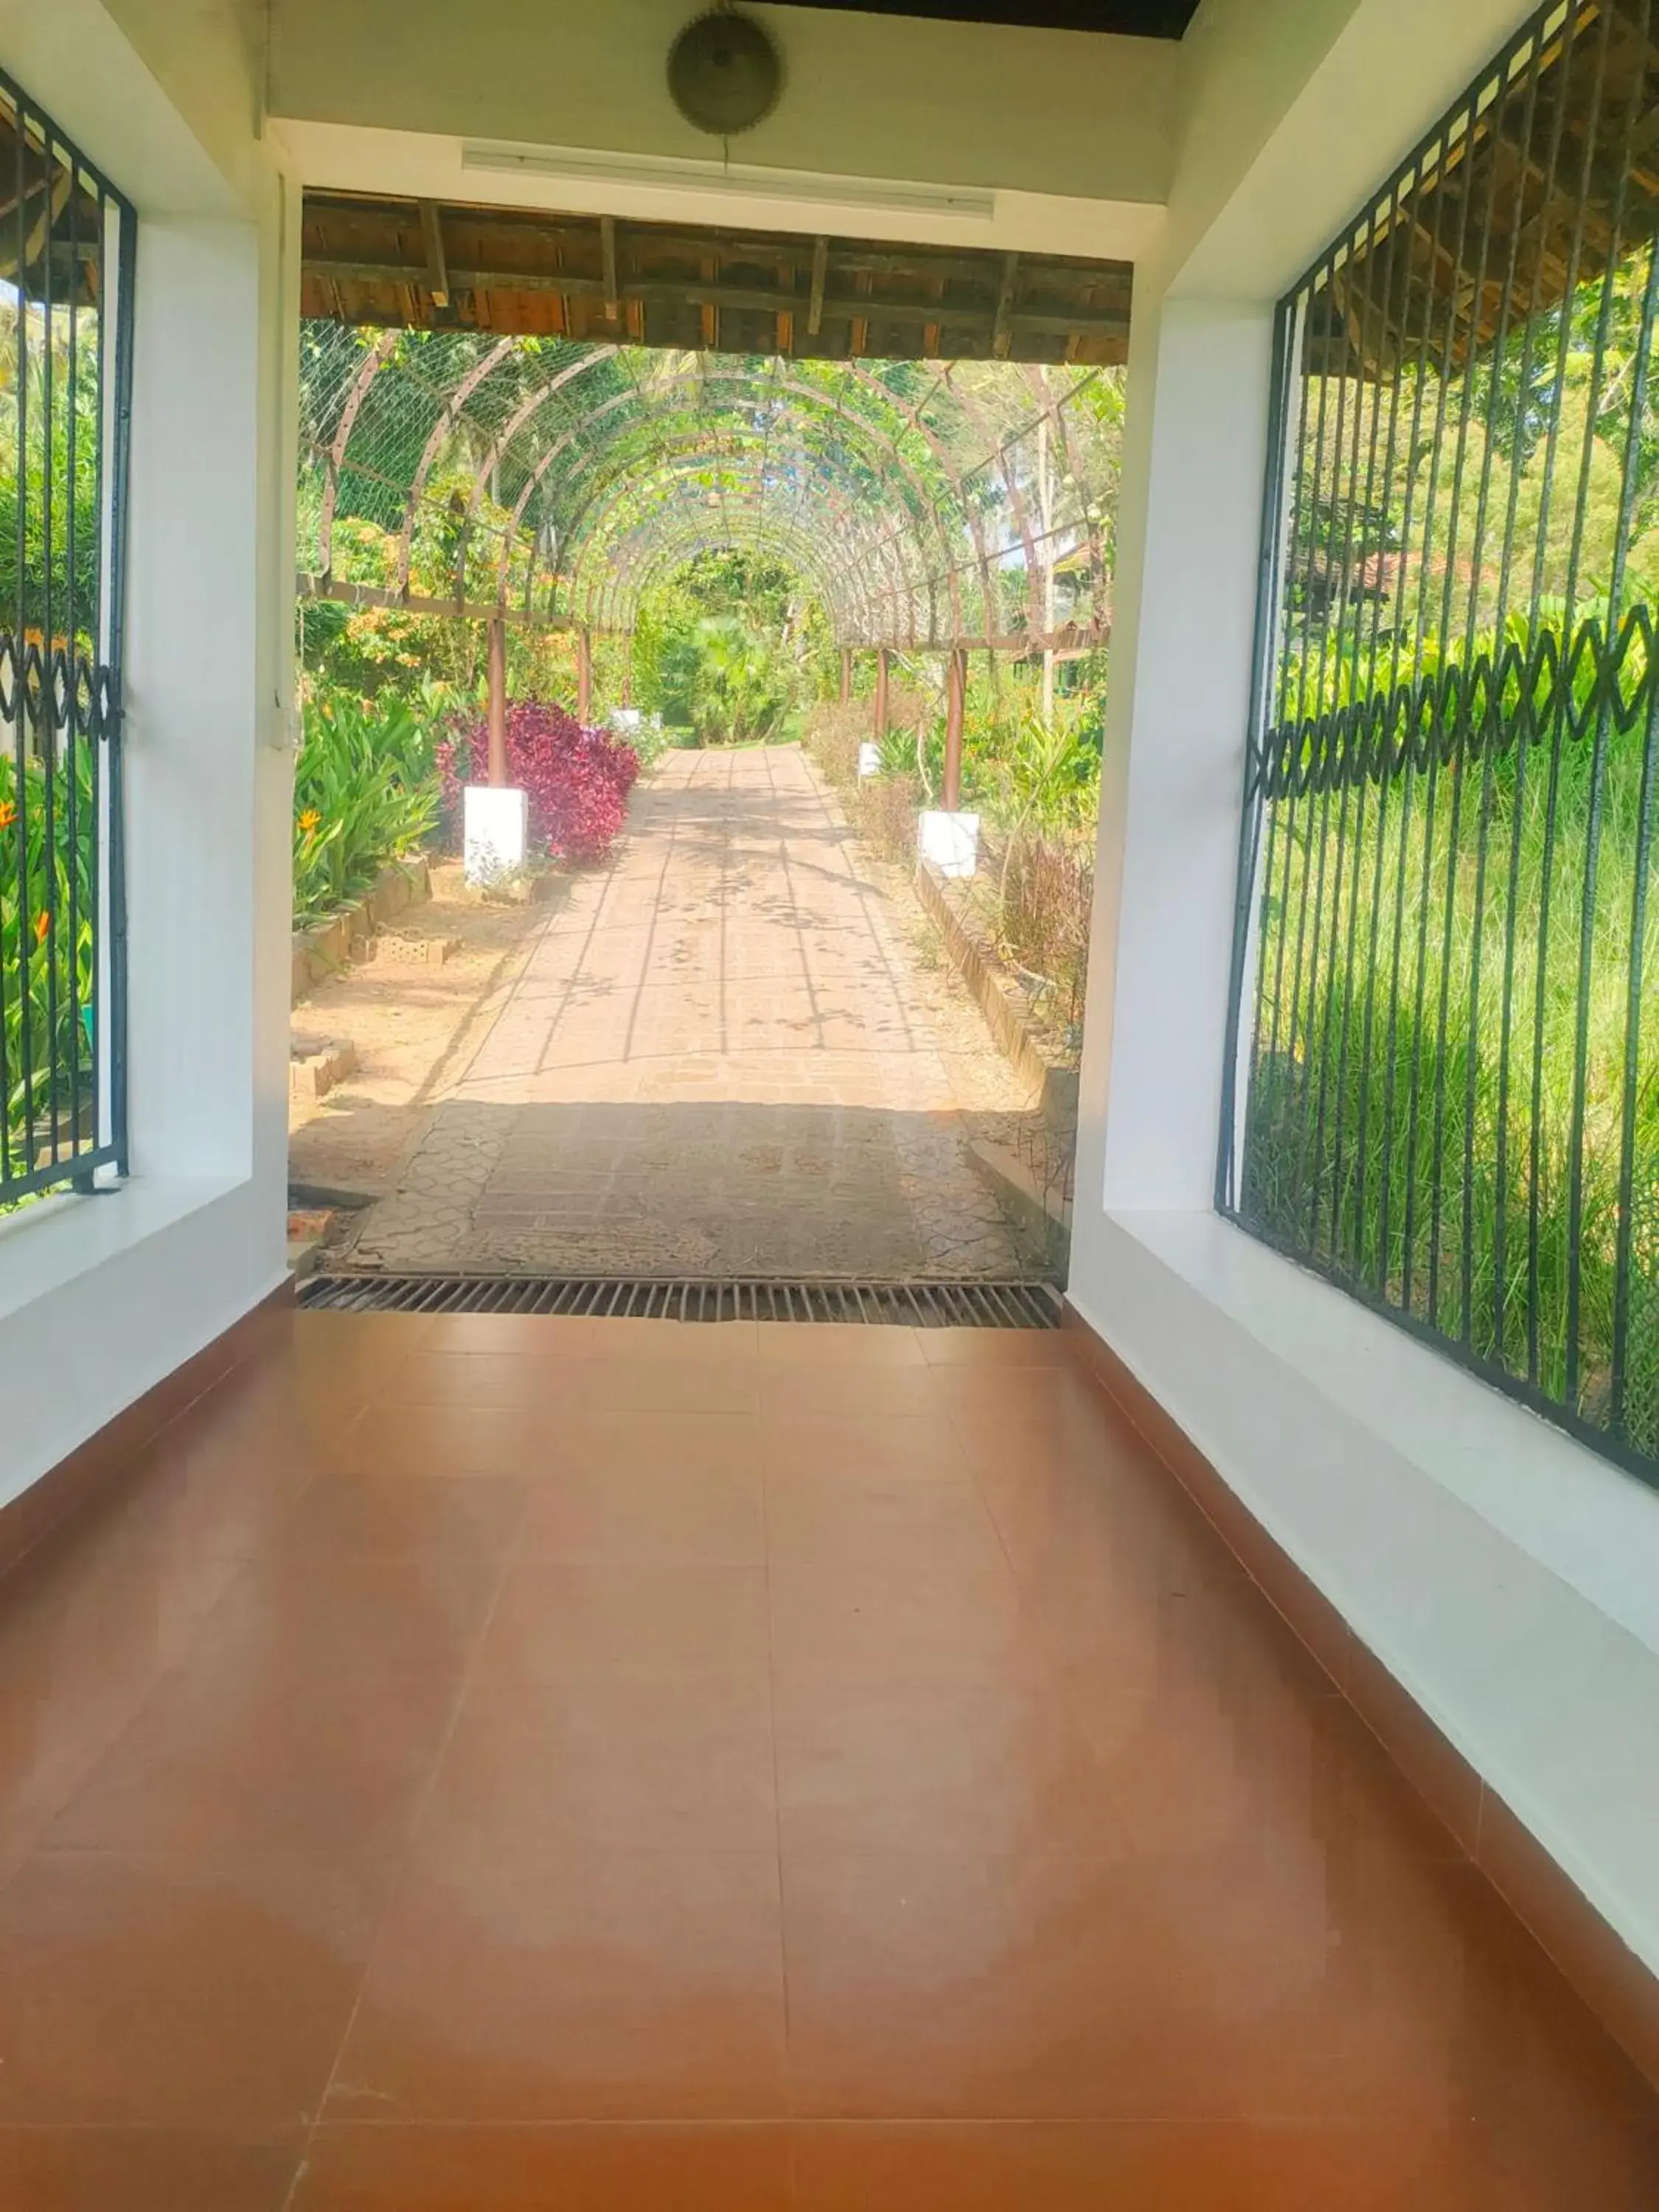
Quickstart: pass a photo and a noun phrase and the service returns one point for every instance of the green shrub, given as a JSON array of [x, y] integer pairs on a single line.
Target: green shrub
[[46, 1026], [365, 790]]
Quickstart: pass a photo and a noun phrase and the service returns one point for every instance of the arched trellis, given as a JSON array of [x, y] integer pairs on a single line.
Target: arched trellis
[[928, 507], [547, 471]]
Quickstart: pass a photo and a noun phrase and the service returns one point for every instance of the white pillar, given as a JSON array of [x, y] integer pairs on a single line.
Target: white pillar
[[1189, 534]]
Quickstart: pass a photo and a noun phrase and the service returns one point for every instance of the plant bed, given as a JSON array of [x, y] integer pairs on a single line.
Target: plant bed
[[326, 945], [1014, 1020]]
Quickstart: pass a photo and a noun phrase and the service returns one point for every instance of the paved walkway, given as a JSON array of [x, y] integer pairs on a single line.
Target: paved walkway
[[717, 1060]]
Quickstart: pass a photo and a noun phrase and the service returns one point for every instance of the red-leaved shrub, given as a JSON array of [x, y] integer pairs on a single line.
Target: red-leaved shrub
[[578, 780]]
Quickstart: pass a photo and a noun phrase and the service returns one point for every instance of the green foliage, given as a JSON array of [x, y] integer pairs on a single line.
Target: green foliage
[[365, 790], [44, 873], [57, 498], [1400, 1062], [720, 646]]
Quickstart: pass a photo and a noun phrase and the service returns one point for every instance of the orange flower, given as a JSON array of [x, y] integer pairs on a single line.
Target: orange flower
[[8, 813], [309, 820], [42, 925]]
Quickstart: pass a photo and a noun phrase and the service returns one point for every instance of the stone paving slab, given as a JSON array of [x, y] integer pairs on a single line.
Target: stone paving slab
[[716, 1060]]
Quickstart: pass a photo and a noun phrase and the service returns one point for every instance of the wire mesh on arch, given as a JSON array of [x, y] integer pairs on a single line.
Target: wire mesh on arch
[[926, 505]]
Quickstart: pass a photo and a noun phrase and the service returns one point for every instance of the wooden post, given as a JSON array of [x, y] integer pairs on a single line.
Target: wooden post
[[955, 708], [584, 676], [881, 694], [497, 726]]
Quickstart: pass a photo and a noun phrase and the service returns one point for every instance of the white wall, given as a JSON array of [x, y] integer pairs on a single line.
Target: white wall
[[1500, 1571], [102, 1297], [1189, 527], [874, 96]]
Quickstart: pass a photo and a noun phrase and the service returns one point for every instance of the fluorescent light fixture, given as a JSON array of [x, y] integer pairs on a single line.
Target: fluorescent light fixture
[[670, 174]]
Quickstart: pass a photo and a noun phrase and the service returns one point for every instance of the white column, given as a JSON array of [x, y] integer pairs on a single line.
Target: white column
[[1189, 535], [193, 623]]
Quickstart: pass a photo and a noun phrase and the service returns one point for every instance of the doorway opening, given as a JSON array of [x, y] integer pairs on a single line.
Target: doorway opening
[[774, 574]]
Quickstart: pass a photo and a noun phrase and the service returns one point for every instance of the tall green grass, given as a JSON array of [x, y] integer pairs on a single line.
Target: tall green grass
[[1448, 1076]]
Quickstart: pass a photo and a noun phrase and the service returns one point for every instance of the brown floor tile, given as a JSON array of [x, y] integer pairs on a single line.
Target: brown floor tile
[[1066, 1405], [399, 1436], [1070, 1827], [998, 1347], [530, 1336], [225, 1505], [622, 1620], [838, 1345], [340, 1612], [916, 1766], [611, 2169], [229, 1757], [607, 1985], [721, 1383], [623, 1513], [847, 1520], [1262, 1982], [514, 1381], [681, 1761], [1440, 2165], [394, 1516], [85, 1633], [649, 1439], [798, 1391], [144, 2170], [133, 1995], [655, 1340], [895, 1622], [855, 1442]]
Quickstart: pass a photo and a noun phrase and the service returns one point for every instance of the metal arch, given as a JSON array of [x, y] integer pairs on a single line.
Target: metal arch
[[928, 503], [852, 553], [600, 546], [641, 565], [908, 524], [998, 457], [448, 416], [925, 430], [778, 440], [599, 502], [848, 597], [1052, 407], [798, 389], [373, 359], [846, 594], [735, 463]]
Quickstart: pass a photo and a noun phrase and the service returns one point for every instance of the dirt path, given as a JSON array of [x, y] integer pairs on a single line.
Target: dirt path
[[719, 1055]]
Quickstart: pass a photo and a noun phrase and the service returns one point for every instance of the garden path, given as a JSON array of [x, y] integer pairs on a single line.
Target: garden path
[[720, 1058]]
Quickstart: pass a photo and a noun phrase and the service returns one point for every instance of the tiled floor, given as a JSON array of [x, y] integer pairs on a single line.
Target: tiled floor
[[491, 1765], [718, 1060]]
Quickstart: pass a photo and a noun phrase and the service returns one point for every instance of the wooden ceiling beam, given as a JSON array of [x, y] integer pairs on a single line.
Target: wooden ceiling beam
[[873, 306]]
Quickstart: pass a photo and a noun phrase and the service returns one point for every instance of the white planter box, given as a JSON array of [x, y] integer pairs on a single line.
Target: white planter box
[[869, 761], [950, 841], [495, 833]]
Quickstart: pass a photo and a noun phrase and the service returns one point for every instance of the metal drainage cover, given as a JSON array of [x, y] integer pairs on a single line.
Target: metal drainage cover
[[905, 1305]]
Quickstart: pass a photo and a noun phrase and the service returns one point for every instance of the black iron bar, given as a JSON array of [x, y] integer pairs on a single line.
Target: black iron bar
[[1463, 491]]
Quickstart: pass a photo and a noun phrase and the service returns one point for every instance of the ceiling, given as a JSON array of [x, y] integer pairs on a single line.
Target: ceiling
[[1144, 19], [415, 265]]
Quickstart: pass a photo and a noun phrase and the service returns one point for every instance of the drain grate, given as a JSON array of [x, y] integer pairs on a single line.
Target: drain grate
[[907, 1305]]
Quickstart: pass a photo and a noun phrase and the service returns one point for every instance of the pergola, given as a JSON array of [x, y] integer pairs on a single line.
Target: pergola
[[931, 507]]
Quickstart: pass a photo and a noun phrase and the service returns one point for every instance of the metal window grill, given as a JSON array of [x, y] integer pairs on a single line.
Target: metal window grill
[[1443, 1089], [66, 269]]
